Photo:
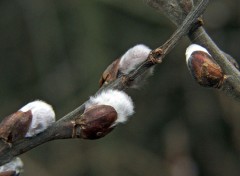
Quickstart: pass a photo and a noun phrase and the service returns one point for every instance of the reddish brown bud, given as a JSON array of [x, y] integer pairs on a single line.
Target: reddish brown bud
[[110, 74], [15, 126], [96, 121], [203, 68], [128, 62], [9, 173], [206, 72]]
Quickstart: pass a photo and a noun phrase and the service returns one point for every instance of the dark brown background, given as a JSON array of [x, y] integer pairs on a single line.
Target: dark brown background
[[56, 50]]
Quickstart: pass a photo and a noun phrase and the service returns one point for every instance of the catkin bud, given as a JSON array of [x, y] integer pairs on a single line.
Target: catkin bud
[[31, 119], [103, 112], [203, 68], [129, 61], [43, 116]]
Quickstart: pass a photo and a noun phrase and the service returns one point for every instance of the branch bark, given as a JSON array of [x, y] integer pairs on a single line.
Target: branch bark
[[64, 128], [175, 10]]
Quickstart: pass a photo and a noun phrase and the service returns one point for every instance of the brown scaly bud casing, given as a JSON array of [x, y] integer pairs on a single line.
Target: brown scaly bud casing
[[203, 68], [96, 121], [9, 173], [129, 61], [30, 120], [15, 126], [103, 112], [110, 74]]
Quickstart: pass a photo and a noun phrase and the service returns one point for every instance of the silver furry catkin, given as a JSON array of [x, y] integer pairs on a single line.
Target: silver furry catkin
[[129, 61]]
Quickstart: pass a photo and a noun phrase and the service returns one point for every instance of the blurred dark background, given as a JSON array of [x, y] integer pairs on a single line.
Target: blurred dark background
[[56, 50]]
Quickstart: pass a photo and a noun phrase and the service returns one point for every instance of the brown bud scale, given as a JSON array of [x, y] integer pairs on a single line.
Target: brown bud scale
[[96, 122], [204, 70], [110, 74], [15, 126]]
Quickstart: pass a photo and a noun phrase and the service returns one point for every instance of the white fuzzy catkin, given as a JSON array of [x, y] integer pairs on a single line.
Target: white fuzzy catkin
[[119, 100], [15, 165], [42, 117], [192, 48], [133, 58]]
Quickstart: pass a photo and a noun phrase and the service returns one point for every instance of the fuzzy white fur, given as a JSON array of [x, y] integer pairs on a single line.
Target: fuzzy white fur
[[192, 48], [119, 100], [133, 58], [42, 116], [15, 165]]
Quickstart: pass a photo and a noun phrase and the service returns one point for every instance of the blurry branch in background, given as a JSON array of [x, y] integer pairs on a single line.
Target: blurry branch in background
[[176, 11], [96, 118]]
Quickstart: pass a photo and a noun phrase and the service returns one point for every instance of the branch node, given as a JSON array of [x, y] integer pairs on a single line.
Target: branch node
[[5, 143], [196, 25], [127, 80], [155, 56], [76, 132]]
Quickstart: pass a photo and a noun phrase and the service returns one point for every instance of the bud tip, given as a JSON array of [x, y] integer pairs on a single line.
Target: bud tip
[[192, 48]]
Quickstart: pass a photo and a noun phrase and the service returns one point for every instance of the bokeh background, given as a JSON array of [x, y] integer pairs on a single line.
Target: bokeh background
[[56, 50]]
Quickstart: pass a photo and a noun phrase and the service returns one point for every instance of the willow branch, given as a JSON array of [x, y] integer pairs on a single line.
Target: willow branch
[[177, 15], [64, 128]]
